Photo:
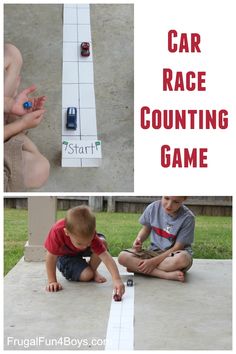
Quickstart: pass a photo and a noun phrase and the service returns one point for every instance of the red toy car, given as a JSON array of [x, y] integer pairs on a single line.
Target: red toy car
[[117, 297], [85, 52]]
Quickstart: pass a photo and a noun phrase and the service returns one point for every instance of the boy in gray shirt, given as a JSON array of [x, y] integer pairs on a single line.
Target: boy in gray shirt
[[170, 225]]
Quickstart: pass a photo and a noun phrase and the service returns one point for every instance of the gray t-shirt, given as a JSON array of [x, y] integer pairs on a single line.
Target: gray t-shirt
[[166, 229]]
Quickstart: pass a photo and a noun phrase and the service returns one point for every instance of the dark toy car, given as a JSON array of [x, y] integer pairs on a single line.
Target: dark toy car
[[130, 282], [71, 118], [85, 52], [117, 297]]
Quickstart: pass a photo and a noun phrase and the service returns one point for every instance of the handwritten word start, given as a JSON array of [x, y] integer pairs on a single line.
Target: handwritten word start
[[81, 149]]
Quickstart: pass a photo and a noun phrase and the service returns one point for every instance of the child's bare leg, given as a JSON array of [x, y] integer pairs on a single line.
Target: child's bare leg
[[36, 166], [180, 260], [131, 262], [12, 67], [174, 275], [90, 272], [94, 264], [87, 274]]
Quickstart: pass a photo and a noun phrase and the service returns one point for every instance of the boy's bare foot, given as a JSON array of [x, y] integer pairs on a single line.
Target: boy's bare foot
[[176, 275], [99, 278]]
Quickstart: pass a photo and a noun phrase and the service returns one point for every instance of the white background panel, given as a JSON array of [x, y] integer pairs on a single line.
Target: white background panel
[[216, 25]]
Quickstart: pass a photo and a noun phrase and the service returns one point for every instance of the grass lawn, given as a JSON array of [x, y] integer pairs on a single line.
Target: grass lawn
[[213, 235]]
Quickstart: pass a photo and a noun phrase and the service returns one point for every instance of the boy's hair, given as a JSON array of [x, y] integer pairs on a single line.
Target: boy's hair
[[80, 221]]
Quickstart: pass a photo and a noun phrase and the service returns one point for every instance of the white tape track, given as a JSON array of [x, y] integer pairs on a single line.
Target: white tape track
[[80, 147], [120, 328]]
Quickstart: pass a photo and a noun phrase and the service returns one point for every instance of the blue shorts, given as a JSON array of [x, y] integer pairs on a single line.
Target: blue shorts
[[71, 267]]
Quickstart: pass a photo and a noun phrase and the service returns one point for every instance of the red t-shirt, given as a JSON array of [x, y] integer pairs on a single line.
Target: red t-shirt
[[59, 244]]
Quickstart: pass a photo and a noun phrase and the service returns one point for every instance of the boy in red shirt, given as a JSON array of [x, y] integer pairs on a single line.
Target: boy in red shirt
[[73, 238]]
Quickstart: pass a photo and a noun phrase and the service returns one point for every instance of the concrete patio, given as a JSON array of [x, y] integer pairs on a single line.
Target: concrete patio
[[195, 315]]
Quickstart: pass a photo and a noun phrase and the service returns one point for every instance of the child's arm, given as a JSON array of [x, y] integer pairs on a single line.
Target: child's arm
[[141, 237], [51, 261], [28, 121], [8, 104], [109, 262], [13, 129]]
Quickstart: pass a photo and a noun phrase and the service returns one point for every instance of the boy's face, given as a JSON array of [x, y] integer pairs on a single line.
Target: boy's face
[[79, 241], [172, 204]]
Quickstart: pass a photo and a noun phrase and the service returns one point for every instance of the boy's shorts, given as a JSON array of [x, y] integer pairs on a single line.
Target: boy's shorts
[[71, 267], [148, 254], [13, 164]]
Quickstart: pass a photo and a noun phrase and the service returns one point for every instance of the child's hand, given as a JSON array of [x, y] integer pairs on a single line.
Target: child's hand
[[146, 266], [119, 288], [21, 98], [54, 286], [32, 120], [38, 102], [137, 245]]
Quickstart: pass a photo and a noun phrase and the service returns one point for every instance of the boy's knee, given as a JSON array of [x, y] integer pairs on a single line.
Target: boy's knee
[[12, 55], [122, 258], [182, 260], [40, 173], [87, 274], [43, 169]]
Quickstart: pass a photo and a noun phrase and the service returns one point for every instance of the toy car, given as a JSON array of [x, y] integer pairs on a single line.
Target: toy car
[[71, 118], [117, 297], [130, 282], [85, 52]]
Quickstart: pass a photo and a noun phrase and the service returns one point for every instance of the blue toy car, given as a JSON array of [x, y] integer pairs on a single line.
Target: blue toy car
[[71, 118]]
